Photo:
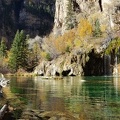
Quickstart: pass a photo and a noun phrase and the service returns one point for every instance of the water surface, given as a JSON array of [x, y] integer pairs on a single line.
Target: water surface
[[94, 98]]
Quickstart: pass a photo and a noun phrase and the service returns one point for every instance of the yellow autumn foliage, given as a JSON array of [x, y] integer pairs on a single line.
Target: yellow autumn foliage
[[103, 28], [84, 28], [69, 38], [65, 41], [78, 42], [59, 44], [43, 54]]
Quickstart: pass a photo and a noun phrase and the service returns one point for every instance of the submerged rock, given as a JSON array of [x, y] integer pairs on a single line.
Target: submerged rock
[[46, 115]]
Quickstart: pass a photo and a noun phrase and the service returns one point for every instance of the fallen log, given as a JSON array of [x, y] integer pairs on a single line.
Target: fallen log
[[3, 110]]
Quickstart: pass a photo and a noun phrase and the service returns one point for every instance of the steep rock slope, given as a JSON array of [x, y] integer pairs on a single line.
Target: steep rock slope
[[107, 11], [89, 59]]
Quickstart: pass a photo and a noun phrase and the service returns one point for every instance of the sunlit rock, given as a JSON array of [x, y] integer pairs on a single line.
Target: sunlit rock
[[105, 10]]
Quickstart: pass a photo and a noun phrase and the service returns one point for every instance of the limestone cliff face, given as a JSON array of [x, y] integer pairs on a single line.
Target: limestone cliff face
[[60, 15], [89, 60], [107, 11]]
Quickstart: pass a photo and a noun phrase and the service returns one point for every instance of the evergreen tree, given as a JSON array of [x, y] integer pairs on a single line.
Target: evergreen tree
[[19, 52], [3, 48], [70, 19], [97, 31]]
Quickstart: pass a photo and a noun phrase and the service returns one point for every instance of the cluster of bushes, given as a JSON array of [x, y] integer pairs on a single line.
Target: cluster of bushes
[[114, 47], [74, 38]]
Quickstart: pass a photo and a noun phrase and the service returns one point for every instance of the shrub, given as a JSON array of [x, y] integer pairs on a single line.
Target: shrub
[[113, 46], [84, 28], [48, 57], [67, 49], [69, 38], [77, 42], [45, 55], [62, 43], [59, 45]]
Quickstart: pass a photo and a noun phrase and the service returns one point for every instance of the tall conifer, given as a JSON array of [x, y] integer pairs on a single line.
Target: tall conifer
[[70, 19], [18, 52], [97, 31]]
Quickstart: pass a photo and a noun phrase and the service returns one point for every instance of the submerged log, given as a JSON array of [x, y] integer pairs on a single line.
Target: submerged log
[[3, 110]]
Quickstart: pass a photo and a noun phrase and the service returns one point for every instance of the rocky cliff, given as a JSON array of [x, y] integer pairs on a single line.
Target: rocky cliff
[[107, 11], [36, 17], [89, 59]]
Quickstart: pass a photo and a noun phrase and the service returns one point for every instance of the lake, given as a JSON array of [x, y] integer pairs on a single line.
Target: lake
[[94, 98]]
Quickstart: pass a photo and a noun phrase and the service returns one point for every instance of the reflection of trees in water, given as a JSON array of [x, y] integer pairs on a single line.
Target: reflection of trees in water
[[57, 91], [94, 98], [23, 87]]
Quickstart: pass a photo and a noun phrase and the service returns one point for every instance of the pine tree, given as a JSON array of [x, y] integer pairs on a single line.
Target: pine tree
[[3, 48], [97, 31], [19, 52], [13, 54], [70, 19]]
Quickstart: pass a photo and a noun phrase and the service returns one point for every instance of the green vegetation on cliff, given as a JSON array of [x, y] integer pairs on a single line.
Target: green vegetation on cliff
[[114, 46], [37, 18], [70, 19]]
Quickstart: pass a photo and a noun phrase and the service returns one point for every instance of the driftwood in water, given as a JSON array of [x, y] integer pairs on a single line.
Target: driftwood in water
[[3, 110]]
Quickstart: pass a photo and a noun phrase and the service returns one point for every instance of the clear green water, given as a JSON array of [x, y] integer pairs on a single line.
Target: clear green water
[[90, 98]]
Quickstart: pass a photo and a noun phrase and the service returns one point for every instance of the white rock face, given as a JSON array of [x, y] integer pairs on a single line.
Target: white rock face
[[60, 15], [105, 10]]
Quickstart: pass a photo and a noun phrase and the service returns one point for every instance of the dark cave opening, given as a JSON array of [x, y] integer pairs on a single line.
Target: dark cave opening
[[57, 74], [65, 73], [95, 65]]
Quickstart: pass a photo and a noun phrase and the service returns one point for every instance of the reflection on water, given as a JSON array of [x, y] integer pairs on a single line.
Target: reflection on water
[[95, 98]]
